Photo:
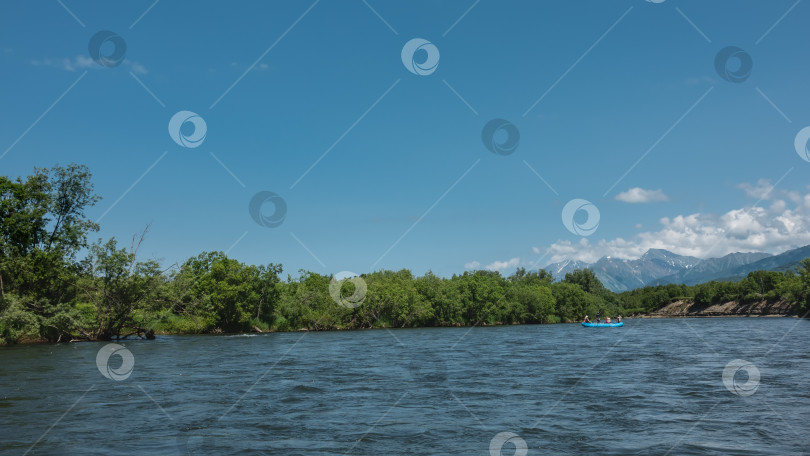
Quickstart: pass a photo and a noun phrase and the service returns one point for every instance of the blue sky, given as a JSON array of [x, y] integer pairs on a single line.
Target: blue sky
[[404, 179]]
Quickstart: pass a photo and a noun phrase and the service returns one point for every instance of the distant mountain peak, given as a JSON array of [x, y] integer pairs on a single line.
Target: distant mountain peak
[[660, 253], [660, 266]]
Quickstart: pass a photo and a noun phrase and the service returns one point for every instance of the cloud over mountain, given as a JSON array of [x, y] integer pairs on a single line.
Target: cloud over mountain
[[502, 265], [778, 221]]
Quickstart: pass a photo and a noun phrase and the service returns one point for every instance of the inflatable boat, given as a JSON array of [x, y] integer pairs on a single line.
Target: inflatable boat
[[602, 325]]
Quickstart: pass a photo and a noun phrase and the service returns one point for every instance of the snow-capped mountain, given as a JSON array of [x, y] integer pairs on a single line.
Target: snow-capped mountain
[[621, 275], [659, 266], [712, 269]]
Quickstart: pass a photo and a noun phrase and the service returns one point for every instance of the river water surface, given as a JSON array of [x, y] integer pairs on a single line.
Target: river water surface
[[651, 387]]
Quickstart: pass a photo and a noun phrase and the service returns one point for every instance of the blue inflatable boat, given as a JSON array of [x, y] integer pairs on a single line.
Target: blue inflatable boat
[[602, 325]]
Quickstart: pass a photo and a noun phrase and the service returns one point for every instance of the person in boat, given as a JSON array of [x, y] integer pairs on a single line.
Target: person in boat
[[586, 319], [607, 320], [619, 319]]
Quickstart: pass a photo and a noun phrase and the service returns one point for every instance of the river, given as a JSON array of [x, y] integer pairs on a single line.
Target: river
[[652, 387]]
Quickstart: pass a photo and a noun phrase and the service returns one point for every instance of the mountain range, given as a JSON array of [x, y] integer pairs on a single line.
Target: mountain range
[[659, 267]]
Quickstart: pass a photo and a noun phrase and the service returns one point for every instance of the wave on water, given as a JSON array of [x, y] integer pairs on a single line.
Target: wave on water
[[306, 389]]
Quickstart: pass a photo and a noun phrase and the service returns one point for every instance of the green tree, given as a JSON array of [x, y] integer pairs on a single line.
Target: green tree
[[570, 299], [118, 286], [541, 277], [442, 298], [305, 303], [17, 322], [527, 303], [480, 294], [587, 281], [803, 287], [228, 294], [42, 228]]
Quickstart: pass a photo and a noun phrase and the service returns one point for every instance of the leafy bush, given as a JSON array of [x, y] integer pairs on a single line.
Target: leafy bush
[[18, 323]]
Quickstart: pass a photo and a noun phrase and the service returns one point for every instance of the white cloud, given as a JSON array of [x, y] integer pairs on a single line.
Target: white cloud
[[136, 67], [83, 62], [761, 190], [501, 265], [640, 195], [782, 225], [472, 265], [239, 66], [80, 62]]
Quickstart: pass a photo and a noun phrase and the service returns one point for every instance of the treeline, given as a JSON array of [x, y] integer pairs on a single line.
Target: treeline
[[56, 286], [770, 286]]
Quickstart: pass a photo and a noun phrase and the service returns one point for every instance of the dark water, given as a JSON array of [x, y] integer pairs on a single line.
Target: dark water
[[652, 387]]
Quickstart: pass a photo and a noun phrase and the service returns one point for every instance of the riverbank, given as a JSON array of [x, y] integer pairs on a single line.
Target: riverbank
[[678, 309], [688, 308]]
